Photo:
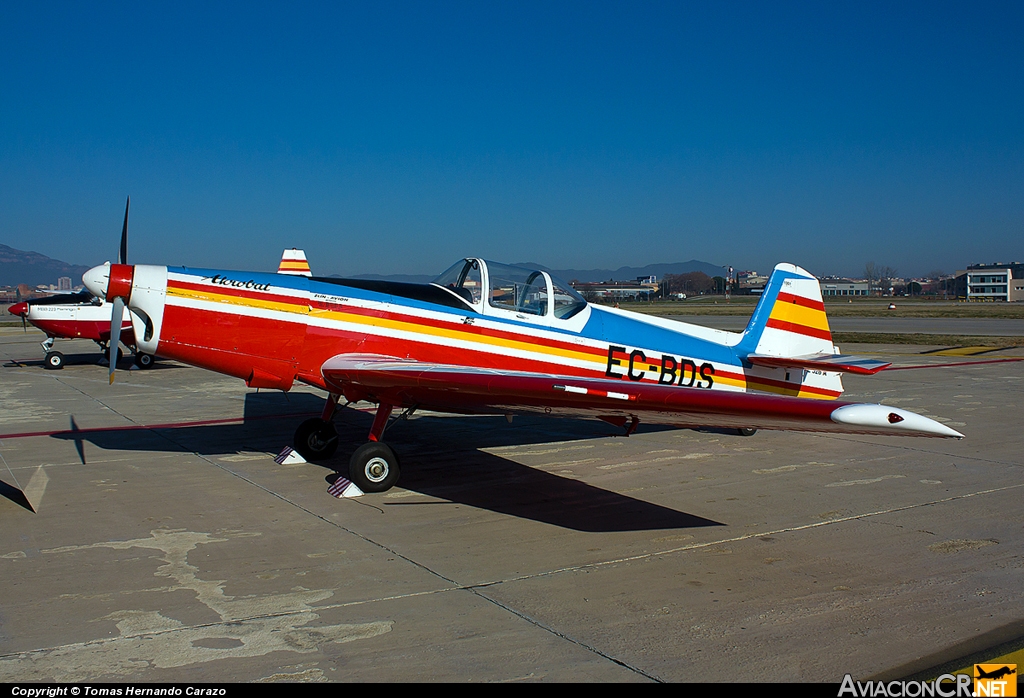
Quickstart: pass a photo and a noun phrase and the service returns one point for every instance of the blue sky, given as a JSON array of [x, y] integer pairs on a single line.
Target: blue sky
[[397, 137]]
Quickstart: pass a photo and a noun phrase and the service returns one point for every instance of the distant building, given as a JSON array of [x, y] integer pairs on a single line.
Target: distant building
[[844, 287], [991, 282], [619, 290], [64, 283], [750, 283]]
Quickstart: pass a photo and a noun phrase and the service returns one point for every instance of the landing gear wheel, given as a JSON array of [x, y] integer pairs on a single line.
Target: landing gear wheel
[[374, 467], [106, 355], [144, 360], [54, 360], [746, 432], [316, 439]]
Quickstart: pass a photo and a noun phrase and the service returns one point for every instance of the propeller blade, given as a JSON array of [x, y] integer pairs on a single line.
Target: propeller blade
[[122, 257], [24, 325], [116, 318]]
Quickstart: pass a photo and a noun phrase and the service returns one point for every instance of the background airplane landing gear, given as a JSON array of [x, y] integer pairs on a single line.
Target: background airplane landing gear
[[144, 360], [120, 355], [374, 467], [746, 432], [316, 439], [54, 360]]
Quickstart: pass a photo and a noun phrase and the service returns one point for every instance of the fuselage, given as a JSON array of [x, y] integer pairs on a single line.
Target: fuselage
[[73, 316], [271, 330]]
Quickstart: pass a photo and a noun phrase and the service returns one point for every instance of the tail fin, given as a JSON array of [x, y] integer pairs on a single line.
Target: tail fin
[[790, 317], [294, 262]]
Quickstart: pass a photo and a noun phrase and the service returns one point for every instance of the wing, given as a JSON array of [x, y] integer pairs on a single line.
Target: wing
[[469, 390]]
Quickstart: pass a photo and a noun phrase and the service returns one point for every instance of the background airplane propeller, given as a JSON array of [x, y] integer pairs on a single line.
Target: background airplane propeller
[[117, 312]]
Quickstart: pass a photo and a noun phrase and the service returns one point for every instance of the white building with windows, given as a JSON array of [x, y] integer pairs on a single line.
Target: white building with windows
[[844, 287], [995, 282]]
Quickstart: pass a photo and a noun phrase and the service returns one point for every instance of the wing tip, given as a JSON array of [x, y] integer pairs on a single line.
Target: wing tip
[[883, 419]]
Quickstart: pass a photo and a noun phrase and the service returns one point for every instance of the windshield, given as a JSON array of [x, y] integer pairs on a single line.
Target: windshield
[[81, 298], [462, 279]]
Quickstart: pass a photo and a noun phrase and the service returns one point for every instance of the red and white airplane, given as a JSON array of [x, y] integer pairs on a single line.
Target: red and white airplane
[[488, 338], [80, 316], [75, 316]]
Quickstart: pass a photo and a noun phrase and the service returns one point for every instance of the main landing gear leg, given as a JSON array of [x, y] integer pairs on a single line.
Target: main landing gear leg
[[316, 439], [374, 466]]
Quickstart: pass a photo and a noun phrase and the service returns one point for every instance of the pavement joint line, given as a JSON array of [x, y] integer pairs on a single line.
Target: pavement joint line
[[567, 638]]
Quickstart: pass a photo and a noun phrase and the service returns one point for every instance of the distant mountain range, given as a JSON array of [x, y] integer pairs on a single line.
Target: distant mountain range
[[32, 268], [585, 275]]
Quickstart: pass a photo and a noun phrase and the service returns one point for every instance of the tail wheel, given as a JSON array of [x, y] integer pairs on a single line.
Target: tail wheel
[[374, 467], [54, 361], [316, 439]]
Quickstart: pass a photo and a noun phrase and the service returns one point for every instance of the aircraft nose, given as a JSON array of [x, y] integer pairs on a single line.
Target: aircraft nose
[[18, 309], [96, 280]]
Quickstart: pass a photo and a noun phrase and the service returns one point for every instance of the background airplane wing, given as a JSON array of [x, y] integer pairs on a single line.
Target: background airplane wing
[[470, 390]]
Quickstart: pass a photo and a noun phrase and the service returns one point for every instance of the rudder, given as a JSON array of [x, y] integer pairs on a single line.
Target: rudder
[[789, 320]]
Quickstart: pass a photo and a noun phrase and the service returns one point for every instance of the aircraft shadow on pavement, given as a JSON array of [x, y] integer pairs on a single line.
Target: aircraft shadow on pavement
[[441, 458]]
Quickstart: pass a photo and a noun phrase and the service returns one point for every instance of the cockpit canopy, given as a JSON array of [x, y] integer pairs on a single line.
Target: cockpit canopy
[[518, 290]]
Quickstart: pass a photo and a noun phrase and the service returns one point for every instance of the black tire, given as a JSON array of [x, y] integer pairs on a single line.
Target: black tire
[[746, 432], [54, 361], [374, 467], [316, 439], [144, 360]]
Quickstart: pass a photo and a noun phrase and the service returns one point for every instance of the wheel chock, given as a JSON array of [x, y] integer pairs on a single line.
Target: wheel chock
[[343, 488], [289, 456]]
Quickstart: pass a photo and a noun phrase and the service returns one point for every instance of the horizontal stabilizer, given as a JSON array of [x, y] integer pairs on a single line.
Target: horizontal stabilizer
[[842, 363]]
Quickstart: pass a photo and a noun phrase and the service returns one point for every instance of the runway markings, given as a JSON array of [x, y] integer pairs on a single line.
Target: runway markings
[[962, 351], [955, 363]]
